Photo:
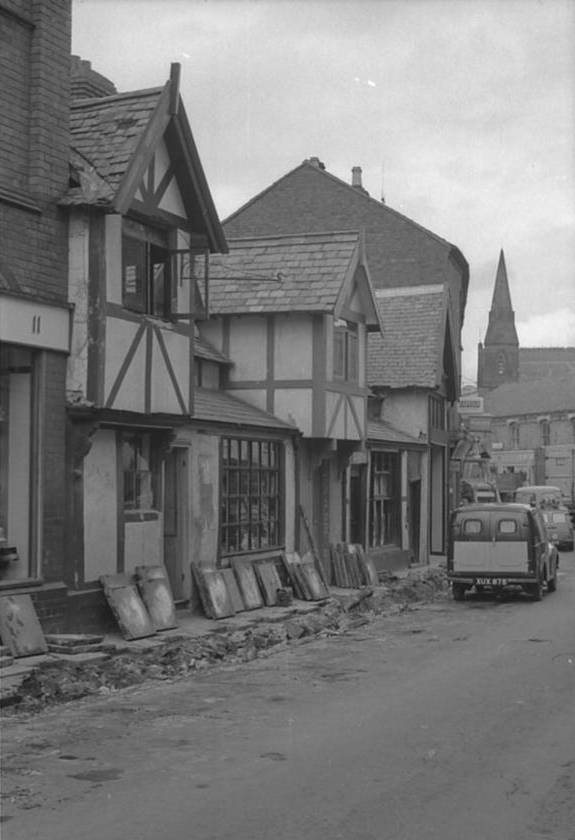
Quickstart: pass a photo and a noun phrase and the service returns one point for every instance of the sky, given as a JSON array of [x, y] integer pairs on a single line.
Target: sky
[[460, 112]]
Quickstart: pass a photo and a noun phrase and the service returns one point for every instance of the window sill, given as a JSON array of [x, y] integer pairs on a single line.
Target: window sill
[[141, 515]]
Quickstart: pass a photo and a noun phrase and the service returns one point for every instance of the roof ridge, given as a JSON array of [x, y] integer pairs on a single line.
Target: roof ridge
[[104, 100], [324, 172], [283, 236]]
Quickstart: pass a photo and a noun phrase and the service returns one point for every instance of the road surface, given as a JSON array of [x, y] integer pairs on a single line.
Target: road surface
[[453, 721]]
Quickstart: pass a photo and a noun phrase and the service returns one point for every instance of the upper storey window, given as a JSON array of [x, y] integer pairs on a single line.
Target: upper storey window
[[345, 351], [146, 276]]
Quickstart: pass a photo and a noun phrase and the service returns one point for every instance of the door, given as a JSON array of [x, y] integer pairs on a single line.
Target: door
[[357, 504], [175, 497], [414, 518]]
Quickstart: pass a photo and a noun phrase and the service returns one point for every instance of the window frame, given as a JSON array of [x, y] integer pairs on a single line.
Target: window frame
[[147, 454], [384, 499], [345, 350], [252, 495], [150, 251]]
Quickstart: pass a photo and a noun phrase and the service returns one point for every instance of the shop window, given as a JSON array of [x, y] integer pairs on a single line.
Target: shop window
[[140, 469], [384, 501], [345, 351], [251, 498], [146, 276]]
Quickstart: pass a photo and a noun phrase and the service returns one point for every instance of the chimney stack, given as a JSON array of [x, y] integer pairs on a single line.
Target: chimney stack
[[315, 161], [86, 83], [356, 177]]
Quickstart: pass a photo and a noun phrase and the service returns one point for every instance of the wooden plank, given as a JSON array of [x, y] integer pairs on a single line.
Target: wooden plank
[[290, 561], [156, 593], [129, 610], [317, 587], [231, 583], [269, 580], [312, 544], [248, 584], [213, 593], [19, 626]]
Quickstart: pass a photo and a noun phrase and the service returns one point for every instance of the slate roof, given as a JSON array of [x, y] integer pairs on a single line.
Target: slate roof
[[302, 273], [538, 362], [106, 131], [204, 350], [220, 407], [541, 396], [399, 251], [380, 430], [407, 352]]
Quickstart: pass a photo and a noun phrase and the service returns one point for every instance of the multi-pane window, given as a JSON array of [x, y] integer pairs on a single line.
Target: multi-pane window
[[345, 351], [384, 501], [140, 471], [251, 498], [514, 435], [146, 276], [436, 412]]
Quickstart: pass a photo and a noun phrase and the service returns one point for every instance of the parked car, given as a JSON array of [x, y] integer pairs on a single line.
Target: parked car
[[497, 546], [559, 526]]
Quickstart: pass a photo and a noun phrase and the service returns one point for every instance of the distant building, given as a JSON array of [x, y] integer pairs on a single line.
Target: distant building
[[528, 417]]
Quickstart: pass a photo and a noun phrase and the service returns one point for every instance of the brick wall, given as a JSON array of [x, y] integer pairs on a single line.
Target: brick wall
[[34, 141]]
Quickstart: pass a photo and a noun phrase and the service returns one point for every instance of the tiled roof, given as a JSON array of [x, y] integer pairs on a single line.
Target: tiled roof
[[106, 131], [407, 352], [539, 362], [380, 430], [204, 350], [538, 397], [301, 273], [220, 407], [399, 251]]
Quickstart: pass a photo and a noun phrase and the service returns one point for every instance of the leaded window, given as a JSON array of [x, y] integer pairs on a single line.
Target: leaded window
[[251, 498]]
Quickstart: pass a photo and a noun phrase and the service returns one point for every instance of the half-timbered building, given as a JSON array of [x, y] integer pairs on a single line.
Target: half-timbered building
[[415, 274], [150, 434], [294, 312]]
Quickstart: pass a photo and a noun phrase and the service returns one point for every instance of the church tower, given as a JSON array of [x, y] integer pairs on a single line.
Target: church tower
[[498, 356]]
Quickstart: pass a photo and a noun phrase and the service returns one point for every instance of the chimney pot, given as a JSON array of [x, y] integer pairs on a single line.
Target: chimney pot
[[356, 177]]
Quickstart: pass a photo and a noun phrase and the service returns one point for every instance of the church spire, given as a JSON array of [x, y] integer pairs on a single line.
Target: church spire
[[501, 327], [498, 357]]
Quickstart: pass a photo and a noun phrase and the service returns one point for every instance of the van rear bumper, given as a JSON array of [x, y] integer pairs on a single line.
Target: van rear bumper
[[491, 578]]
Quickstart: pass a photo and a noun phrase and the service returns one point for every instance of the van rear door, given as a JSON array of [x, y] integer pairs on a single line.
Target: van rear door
[[472, 542], [510, 543]]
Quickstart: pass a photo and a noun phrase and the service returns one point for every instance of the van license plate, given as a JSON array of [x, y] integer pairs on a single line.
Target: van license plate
[[491, 582]]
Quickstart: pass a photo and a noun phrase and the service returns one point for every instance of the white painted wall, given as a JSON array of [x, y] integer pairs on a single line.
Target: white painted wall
[[144, 544], [248, 342], [294, 405], [293, 347]]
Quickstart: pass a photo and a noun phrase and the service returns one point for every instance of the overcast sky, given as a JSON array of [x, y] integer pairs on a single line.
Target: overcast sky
[[462, 111]]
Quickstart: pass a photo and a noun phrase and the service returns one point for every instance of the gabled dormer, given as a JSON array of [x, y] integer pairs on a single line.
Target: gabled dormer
[[142, 227], [293, 314]]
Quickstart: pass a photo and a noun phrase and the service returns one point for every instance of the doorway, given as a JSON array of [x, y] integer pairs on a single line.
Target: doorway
[[175, 506]]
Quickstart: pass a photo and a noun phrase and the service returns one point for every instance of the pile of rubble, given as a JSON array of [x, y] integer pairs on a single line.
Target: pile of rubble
[[57, 681]]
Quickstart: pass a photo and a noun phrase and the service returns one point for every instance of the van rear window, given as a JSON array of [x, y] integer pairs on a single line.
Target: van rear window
[[472, 526], [507, 526]]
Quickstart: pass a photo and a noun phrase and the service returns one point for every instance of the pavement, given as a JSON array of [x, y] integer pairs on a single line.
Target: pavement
[[192, 626]]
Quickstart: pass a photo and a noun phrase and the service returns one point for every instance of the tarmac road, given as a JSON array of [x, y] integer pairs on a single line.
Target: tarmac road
[[453, 721]]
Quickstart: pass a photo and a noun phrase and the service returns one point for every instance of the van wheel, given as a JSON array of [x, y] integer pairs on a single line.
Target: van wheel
[[552, 584], [458, 592]]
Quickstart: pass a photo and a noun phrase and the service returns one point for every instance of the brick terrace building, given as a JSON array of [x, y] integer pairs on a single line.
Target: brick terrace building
[[34, 316]]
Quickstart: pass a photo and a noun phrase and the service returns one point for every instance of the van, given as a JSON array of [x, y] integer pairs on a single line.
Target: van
[[535, 494], [499, 546]]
